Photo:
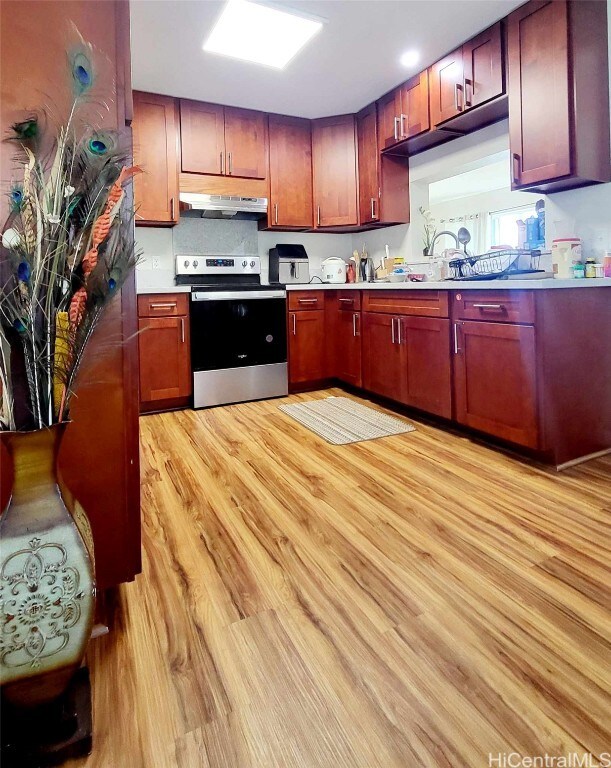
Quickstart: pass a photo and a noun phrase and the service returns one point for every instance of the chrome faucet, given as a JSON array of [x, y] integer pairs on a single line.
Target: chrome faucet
[[438, 235]]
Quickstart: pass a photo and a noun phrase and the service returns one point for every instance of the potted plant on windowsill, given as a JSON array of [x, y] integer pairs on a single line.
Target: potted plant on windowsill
[[67, 248]]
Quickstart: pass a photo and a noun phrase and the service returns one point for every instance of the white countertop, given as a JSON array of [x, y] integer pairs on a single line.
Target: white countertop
[[460, 285]]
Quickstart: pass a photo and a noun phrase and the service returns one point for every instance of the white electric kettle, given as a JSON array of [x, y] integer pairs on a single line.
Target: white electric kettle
[[333, 270]]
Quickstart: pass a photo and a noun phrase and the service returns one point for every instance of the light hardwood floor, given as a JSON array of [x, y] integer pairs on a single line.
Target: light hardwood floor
[[418, 600]]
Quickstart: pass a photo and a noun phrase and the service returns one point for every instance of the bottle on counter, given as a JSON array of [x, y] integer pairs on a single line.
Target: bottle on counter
[[579, 270], [590, 267], [566, 253], [607, 264]]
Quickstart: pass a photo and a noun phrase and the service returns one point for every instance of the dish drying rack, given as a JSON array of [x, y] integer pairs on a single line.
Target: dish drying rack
[[495, 264]]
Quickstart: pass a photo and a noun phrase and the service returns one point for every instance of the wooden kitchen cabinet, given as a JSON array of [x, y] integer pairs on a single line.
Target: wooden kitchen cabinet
[[223, 141], [307, 354], [428, 372], [347, 345], [383, 356], [155, 131], [558, 94], [164, 351], [467, 78], [202, 137], [447, 87], [335, 171], [290, 173], [412, 106], [369, 165], [495, 380]]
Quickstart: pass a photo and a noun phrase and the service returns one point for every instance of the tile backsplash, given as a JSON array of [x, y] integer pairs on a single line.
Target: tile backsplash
[[215, 237]]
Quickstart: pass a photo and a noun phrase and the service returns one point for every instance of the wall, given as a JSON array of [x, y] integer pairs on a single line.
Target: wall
[[196, 235]]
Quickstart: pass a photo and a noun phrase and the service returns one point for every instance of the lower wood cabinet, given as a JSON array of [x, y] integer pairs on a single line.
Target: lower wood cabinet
[[347, 357], [164, 350], [428, 374], [307, 353], [495, 380], [383, 356]]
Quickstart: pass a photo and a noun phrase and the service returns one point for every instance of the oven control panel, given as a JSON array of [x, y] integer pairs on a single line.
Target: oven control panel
[[217, 265]]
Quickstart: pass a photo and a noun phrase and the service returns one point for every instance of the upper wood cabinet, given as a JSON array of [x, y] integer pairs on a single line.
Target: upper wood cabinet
[[155, 127], [447, 87], [290, 172], [404, 112], [468, 77], [412, 105], [202, 137], [558, 94], [369, 164], [335, 171], [223, 141]]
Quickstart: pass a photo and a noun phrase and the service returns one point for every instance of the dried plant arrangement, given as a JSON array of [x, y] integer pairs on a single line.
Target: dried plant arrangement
[[67, 248]]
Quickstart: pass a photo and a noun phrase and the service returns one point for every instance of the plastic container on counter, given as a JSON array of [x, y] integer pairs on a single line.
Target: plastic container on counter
[[566, 253]]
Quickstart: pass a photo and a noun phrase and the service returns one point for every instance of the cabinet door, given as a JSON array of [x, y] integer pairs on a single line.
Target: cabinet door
[[307, 346], [155, 128], [483, 67], [334, 160], [495, 380], [348, 347], [539, 112], [246, 143], [202, 135], [383, 356], [428, 375], [290, 172], [446, 88], [388, 119], [165, 366], [369, 180], [414, 116]]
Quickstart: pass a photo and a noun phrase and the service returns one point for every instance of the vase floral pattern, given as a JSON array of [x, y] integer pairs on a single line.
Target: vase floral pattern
[[47, 588]]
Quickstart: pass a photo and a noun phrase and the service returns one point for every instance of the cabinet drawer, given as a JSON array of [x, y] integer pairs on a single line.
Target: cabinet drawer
[[405, 302], [163, 305], [349, 300], [500, 306], [306, 300]]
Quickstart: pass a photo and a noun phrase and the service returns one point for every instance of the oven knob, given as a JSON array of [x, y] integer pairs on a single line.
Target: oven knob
[[244, 263], [252, 263], [195, 264], [186, 263]]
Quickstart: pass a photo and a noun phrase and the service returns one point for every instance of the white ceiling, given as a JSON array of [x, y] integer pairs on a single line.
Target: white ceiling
[[351, 62]]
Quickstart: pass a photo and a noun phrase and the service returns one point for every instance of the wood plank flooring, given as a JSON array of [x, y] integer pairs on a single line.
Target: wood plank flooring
[[418, 600]]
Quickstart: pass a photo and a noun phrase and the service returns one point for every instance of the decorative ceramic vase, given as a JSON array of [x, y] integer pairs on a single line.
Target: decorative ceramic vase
[[47, 587]]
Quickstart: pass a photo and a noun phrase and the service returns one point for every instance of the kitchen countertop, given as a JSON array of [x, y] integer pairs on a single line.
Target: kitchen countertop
[[460, 285]]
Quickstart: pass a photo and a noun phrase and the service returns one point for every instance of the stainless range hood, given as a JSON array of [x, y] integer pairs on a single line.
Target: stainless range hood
[[224, 206]]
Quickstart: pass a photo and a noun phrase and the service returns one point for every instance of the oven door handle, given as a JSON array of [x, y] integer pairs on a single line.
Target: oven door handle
[[236, 295]]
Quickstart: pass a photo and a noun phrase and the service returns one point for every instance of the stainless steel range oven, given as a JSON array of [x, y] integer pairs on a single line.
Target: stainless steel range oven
[[238, 330]]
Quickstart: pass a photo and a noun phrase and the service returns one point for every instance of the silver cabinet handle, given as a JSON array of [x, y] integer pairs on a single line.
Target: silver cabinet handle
[[182, 329], [172, 208], [294, 325], [467, 99], [396, 123], [489, 306], [399, 324], [346, 301], [356, 331], [515, 158], [275, 213], [308, 301], [456, 347], [222, 164], [230, 164], [167, 305], [401, 120], [459, 107], [318, 216], [392, 329], [373, 208]]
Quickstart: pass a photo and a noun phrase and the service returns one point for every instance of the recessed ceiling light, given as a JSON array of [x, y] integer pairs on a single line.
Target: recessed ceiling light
[[260, 33], [410, 58]]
